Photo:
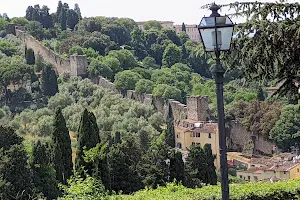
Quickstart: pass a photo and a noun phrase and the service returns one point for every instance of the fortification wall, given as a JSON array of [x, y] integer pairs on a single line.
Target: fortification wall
[[239, 136], [75, 66]]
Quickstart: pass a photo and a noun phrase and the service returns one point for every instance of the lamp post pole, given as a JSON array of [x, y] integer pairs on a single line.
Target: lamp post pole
[[218, 72], [216, 34]]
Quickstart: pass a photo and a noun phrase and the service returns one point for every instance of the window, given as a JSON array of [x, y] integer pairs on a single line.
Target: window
[[177, 136], [209, 146], [197, 134], [298, 170], [198, 144], [179, 145], [241, 176], [209, 135], [248, 177], [284, 172], [193, 143]]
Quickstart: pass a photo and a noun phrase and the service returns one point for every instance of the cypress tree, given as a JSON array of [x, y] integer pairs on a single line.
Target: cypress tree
[[176, 166], [49, 80], [77, 10], [170, 132], [62, 18], [183, 28], [88, 137], [58, 11], [43, 172], [30, 58], [61, 148], [210, 169]]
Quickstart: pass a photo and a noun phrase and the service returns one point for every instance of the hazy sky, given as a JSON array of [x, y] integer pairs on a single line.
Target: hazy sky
[[187, 11]]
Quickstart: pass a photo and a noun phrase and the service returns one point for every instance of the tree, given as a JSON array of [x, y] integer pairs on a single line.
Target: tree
[[99, 42], [72, 18], [144, 86], [98, 67], [49, 81], [172, 55], [152, 24], [176, 166], [138, 43], [125, 57], [153, 167], [195, 167], [45, 17], [62, 18], [183, 28], [126, 80], [21, 21], [58, 11], [273, 54], [77, 10], [150, 62], [172, 35], [123, 159], [16, 178], [3, 24], [166, 91], [43, 172], [61, 148], [30, 58], [170, 132], [88, 137], [210, 169], [35, 29], [286, 132]]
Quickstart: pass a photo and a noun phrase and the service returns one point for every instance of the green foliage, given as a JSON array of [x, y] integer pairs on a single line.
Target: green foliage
[[144, 86], [125, 58], [43, 171], [7, 48], [3, 24], [166, 91], [49, 80], [152, 24], [72, 18], [88, 137], [30, 58], [150, 62], [285, 133], [127, 80], [87, 188], [21, 21], [272, 191], [61, 148], [62, 18], [35, 29], [176, 167], [171, 55]]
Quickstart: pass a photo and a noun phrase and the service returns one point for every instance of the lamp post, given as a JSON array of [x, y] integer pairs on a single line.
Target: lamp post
[[216, 33]]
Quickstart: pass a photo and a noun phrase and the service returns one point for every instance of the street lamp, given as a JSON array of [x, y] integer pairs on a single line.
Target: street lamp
[[216, 33]]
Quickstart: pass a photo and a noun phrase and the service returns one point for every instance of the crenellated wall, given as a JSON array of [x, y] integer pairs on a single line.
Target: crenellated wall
[[75, 66]]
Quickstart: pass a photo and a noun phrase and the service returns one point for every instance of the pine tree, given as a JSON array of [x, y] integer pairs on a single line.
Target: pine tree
[[30, 58], [77, 10], [210, 169], [176, 166], [61, 148], [183, 28], [44, 176], [88, 137], [62, 19], [49, 80], [170, 132]]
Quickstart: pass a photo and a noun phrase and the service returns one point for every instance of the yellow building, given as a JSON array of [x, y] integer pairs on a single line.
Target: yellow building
[[196, 130], [281, 167]]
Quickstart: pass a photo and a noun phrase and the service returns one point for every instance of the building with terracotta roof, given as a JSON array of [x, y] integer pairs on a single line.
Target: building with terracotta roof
[[197, 129], [281, 167]]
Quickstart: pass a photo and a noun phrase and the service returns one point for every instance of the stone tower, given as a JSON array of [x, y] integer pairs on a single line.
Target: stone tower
[[197, 108], [79, 65]]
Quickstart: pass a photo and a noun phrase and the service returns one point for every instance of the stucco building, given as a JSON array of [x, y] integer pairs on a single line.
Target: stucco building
[[191, 30], [282, 167], [165, 24], [197, 129]]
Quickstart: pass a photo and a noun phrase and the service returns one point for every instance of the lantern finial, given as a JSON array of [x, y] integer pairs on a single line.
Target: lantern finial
[[214, 8]]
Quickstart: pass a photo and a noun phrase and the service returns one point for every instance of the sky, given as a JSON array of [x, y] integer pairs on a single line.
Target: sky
[[178, 11]]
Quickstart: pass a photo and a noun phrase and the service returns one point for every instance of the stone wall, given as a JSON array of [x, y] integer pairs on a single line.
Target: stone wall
[[76, 66], [239, 137]]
